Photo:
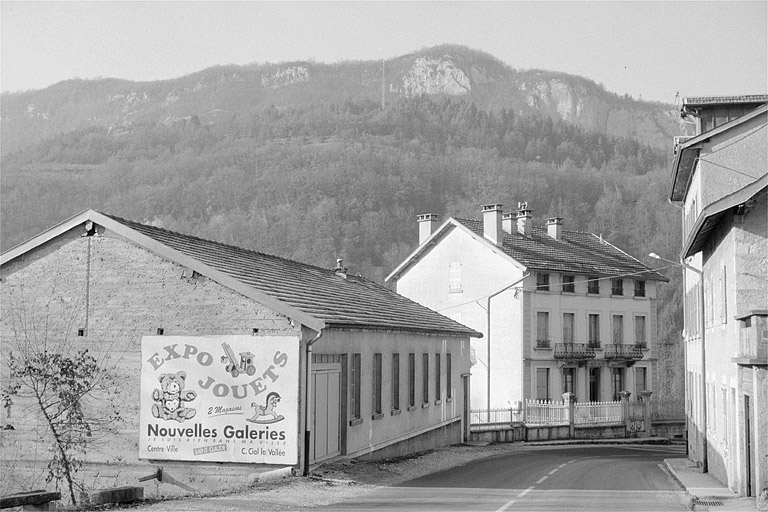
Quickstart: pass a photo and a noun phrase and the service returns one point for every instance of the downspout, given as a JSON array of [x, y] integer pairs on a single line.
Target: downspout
[[488, 334], [307, 396]]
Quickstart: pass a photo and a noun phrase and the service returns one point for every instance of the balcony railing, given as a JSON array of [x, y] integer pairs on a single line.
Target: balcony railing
[[623, 352], [574, 351]]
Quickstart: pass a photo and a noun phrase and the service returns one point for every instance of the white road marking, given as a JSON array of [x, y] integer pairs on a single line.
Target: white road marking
[[541, 479], [553, 471], [525, 492]]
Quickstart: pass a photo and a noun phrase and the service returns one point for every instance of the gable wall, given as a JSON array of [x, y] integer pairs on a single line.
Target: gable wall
[[484, 271], [122, 292]]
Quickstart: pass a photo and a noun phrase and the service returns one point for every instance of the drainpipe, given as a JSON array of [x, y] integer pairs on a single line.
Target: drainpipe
[[307, 396], [488, 334]]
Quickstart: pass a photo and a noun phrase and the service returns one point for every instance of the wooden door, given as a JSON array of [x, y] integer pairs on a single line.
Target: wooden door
[[326, 408]]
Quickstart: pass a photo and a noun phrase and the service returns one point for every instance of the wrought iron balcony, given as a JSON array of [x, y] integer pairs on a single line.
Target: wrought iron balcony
[[574, 351], [623, 352]]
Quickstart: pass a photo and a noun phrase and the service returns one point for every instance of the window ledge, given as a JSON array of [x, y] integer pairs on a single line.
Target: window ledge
[[425, 405], [395, 412], [438, 402], [377, 416], [411, 407], [355, 421], [449, 399]]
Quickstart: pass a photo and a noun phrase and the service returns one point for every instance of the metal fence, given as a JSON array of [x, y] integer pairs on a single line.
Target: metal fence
[[597, 413], [480, 419], [546, 412]]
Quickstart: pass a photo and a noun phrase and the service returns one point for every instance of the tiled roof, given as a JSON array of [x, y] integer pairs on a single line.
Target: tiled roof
[[576, 252], [339, 302]]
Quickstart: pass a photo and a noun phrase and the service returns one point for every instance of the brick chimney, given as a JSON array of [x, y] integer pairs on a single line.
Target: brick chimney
[[492, 223], [555, 227], [508, 222], [524, 216], [427, 225]]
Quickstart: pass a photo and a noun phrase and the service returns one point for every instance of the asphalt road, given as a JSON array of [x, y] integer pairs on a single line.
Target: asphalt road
[[605, 478]]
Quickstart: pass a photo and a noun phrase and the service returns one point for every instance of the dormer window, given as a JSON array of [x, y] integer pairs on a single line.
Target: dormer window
[[568, 284], [542, 281]]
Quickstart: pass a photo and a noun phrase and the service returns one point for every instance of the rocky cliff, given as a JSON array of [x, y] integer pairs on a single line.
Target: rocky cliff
[[455, 71]]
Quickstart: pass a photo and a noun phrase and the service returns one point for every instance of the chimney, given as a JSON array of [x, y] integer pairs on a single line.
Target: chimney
[[492, 223], [524, 219], [507, 222], [340, 269], [555, 227], [427, 226]]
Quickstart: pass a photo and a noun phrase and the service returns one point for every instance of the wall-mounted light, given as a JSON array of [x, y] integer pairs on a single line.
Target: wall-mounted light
[[160, 331]]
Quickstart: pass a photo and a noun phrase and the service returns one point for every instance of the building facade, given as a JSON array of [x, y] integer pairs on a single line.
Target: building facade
[[311, 363], [719, 179], [560, 311]]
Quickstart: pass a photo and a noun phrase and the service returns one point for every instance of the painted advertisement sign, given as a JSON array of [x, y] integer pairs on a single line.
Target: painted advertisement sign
[[220, 398]]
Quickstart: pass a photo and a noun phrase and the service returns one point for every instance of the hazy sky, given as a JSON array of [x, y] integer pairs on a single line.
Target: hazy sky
[[651, 49]]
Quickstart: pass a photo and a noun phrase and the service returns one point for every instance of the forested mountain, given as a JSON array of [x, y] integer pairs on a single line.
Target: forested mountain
[[304, 161]]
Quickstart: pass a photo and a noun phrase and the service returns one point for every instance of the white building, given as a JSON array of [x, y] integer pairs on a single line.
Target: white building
[[560, 311]]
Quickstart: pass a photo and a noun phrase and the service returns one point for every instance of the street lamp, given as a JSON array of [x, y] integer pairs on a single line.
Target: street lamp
[[702, 327]]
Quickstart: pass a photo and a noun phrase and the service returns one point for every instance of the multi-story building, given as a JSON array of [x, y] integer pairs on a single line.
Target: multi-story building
[[560, 311], [719, 179]]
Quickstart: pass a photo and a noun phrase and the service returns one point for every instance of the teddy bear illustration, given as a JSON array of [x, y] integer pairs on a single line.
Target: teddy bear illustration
[[171, 397]]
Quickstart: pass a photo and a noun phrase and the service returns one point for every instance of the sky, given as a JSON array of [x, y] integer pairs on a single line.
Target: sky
[[649, 49]]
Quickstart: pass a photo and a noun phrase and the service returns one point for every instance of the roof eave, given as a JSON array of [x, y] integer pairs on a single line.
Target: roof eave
[[721, 205], [688, 153]]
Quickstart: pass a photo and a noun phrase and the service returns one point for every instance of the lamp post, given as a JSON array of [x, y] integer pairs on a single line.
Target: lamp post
[[702, 328]]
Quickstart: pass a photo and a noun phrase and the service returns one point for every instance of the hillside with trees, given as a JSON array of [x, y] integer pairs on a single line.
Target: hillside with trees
[[320, 179]]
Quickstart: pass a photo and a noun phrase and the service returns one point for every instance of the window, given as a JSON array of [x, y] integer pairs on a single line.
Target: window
[[640, 340], [594, 384], [354, 384], [377, 385], [617, 286], [641, 383], [411, 380], [618, 382], [618, 329], [454, 277], [425, 377], [542, 329], [438, 377], [594, 331], [593, 285], [542, 383], [568, 319], [568, 284], [639, 288], [448, 373], [395, 382], [568, 380], [542, 281]]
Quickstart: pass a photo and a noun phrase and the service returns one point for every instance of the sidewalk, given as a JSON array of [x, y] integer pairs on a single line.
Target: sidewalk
[[707, 493]]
